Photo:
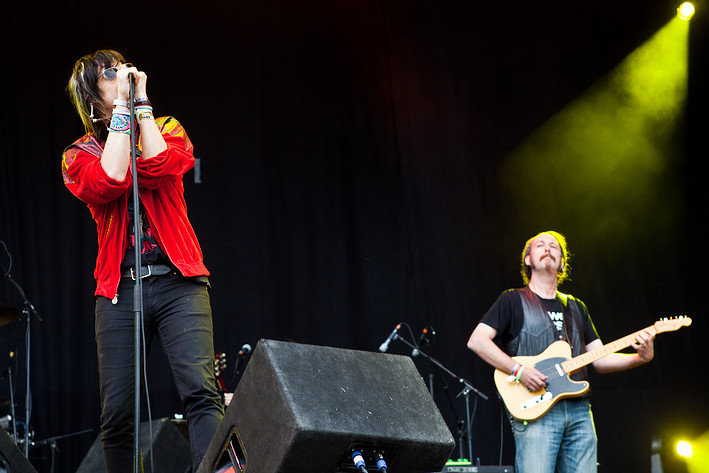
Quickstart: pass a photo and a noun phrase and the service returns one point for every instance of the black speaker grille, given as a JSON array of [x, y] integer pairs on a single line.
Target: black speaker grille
[[301, 407]]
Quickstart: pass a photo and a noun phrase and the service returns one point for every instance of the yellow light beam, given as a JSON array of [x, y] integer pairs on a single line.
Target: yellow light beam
[[597, 164]]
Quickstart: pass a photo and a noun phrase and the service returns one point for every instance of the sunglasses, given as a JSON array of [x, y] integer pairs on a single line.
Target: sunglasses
[[111, 72]]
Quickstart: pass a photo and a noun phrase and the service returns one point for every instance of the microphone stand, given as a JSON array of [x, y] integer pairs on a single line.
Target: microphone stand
[[138, 287], [467, 389], [27, 311], [237, 370], [52, 442]]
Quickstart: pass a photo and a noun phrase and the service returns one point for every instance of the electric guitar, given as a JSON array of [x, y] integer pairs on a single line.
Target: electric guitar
[[556, 363]]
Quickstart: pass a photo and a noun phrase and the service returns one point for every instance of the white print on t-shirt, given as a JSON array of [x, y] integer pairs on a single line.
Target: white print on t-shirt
[[557, 318]]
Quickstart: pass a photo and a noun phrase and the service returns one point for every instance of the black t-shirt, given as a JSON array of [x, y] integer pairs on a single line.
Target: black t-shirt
[[150, 253], [507, 317]]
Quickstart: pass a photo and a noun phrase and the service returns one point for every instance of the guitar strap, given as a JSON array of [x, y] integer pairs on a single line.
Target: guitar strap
[[581, 374], [568, 319]]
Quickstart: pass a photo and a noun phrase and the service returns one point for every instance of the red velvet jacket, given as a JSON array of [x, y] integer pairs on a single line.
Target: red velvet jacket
[[161, 191]]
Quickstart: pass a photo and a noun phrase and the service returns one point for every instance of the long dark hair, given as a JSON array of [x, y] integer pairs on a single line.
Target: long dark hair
[[83, 88]]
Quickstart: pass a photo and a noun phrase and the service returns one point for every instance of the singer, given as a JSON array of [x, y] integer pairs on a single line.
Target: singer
[[176, 305]]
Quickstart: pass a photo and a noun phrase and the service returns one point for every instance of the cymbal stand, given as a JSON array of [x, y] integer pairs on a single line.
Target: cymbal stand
[[12, 403], [28, 391]]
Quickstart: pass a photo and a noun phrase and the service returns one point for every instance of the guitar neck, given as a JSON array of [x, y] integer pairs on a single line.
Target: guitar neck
[[589, 357]]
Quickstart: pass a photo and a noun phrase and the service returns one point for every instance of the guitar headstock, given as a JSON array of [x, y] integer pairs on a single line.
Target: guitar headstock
[[219, 364], [674, 323], [220, 368]]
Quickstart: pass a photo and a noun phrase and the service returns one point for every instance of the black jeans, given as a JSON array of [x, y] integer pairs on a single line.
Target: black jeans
[[177, 310]]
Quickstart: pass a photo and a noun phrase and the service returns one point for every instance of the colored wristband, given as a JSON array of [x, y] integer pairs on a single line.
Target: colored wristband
[[513, 375], [144, 112], [120, 122]]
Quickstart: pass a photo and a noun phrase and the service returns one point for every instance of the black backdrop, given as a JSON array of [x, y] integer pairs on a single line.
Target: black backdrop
[[351, 156]]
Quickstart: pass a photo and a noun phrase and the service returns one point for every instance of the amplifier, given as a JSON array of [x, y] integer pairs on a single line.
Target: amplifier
[[477, 469]]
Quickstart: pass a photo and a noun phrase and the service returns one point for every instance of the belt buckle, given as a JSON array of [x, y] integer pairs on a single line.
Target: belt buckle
[[150, 272]]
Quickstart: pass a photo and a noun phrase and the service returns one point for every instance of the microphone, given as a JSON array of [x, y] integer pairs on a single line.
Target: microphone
[[385, 346], [424, 339], [245, 350]]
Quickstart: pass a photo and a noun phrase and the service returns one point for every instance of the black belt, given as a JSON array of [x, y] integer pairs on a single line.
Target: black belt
[[148, 270]]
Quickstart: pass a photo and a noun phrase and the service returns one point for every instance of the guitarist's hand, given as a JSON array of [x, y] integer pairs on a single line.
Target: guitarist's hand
[[645, 346], [532, 379]]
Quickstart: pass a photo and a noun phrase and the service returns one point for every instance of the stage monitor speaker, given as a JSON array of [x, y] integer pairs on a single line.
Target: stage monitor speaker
[[305, 408], [11, 458], [171, 451]]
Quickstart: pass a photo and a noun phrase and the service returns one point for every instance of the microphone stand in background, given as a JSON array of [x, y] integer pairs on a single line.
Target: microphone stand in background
[[467, 390], [243, 353], [28, 310], [52, 442]]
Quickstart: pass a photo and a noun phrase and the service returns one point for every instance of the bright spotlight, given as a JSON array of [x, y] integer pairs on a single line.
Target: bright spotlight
[[685, 449], [685, 11]]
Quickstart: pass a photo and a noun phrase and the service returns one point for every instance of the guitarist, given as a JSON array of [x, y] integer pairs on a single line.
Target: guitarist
[[524, 322]]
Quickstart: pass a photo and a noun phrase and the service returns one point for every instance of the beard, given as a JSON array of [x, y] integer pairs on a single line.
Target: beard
[[547, 263]]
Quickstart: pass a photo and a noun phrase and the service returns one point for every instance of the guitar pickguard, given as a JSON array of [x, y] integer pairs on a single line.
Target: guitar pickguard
[[559, 384]]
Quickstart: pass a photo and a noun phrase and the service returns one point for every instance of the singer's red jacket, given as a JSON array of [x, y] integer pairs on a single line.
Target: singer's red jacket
[[161, 191]]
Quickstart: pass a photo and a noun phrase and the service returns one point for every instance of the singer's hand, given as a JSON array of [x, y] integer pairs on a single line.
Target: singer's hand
[[140, 79]]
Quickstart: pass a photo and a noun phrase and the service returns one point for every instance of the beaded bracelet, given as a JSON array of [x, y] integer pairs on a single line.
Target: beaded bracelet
[[120, 122]]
